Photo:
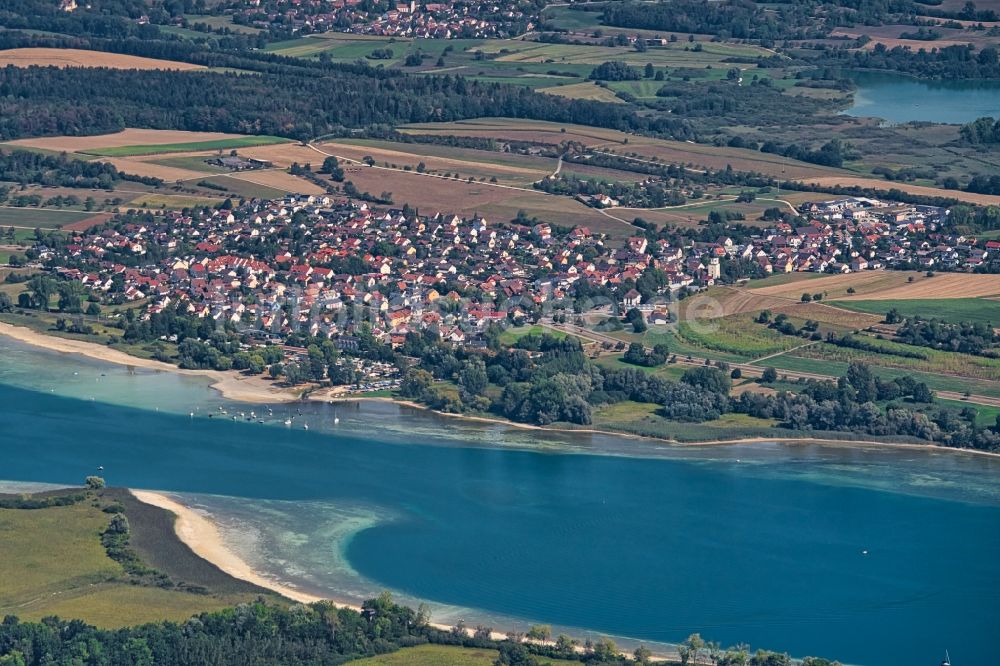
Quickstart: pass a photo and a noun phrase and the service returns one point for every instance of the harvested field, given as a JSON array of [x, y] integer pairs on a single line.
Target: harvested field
[[677, 152], [169, 174], [890, 285], [283, 154], [173, 201], [725, 301], [434, 194], [941, 286], [215, 145], [955, 37], [81, 58], [719, 157], [885, 186], [127, 137], [830, 314], [508, 174], [508, 168], [586, 90], [279, 180], [521, 130]]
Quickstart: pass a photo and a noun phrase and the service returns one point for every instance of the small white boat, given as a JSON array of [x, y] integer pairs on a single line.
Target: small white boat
[[288, 422], [947, 659], [336, 420]]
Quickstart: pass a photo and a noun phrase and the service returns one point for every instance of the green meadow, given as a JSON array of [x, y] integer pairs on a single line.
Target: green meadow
[[977, 310]]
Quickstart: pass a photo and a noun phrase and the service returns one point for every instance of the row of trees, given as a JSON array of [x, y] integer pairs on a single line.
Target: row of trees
[[24, 167], [966, 337], [960, 61]]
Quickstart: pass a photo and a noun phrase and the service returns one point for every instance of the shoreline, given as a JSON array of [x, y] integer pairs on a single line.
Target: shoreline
[[737, 441], [229, 383], [202, 536], [232, 385]]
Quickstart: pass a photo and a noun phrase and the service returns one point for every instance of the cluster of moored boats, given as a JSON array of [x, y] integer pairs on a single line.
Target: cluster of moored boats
[[253, 416]]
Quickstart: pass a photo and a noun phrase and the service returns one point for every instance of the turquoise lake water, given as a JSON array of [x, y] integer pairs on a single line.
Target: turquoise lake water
[[900, 99], [761, 544]]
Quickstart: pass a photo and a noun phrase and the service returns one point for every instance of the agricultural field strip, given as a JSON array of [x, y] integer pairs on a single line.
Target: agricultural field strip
[[891, 285], [59, 57], [127, 137], [161, 149], [428, 175]]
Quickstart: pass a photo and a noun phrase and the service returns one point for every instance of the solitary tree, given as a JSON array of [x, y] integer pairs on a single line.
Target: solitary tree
[[540, 632], [690, 649]]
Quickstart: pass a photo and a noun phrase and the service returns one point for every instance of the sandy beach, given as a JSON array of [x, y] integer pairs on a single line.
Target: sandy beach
[[231, 384], [202, 536], [258, 390]]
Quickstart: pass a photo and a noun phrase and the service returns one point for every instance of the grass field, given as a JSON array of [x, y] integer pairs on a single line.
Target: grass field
[[190, 163], [643, 419], [247, 189], [175, 201], [52, 562], [980, 310], [986, 415], [433, 655], [156, 149], [738, 335], [676, 152], [951, 363], [837, 368], [513, 334], [43, 218]]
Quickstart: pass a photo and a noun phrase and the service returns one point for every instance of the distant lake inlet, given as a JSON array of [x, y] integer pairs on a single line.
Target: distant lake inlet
[[900, 99]]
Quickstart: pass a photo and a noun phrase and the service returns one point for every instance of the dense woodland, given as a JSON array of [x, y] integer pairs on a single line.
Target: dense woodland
[[300, 103], [948, 62], [556, 382], [320, 635]]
